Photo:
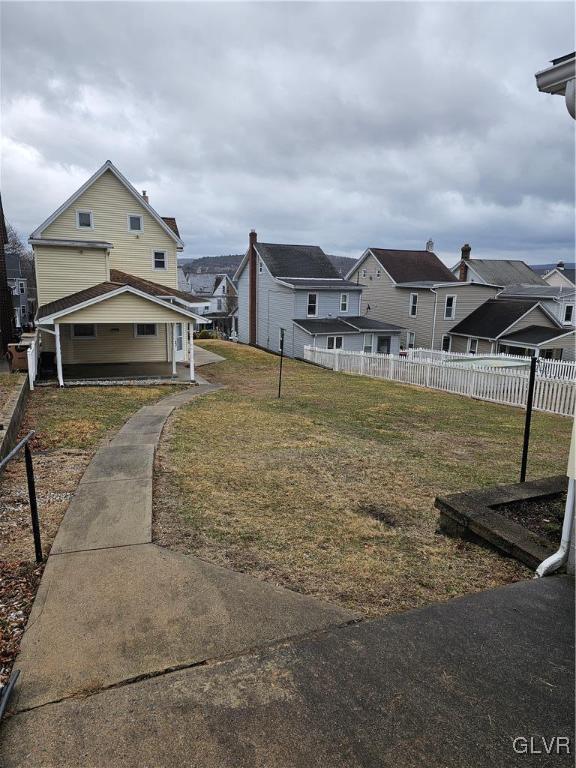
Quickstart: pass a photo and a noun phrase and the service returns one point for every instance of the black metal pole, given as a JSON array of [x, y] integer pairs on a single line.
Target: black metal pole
[[33, 505], [281, 360], [533, 363]]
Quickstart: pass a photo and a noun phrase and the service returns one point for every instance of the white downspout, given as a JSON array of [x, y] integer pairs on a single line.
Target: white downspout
[[434, 321], [558, 559]]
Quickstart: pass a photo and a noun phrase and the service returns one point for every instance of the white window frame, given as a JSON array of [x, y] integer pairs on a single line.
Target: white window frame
[[134, 216], [472, 340], [453, 315], [364, 273], [83, 336], [89, 212], [219, 304], [345, 296], [334, 348], [315, 313], [260, 266], [413, 306], [378, 274], [571, 320], [411, 340], [145, 335], [165, 253], [446, 336], [22, 287], [365, 345]]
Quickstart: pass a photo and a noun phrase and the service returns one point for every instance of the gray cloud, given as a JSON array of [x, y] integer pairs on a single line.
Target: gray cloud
[[346, 125]]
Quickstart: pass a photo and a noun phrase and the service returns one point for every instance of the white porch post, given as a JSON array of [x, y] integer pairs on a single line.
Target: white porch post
[[58, 354], [191, 350], [173, 349]]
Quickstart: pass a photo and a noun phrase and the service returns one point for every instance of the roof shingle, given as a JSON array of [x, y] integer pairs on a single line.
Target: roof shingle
[[296, 261], [413, 266], [491, 318]]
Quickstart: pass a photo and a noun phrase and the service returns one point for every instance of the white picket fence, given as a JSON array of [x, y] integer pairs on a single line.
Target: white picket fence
[[496, 385], [552, 369]]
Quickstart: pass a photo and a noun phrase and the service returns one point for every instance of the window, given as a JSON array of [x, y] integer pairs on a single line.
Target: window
[[363, 273], [378, 274], [450, 308], [135, 223], [472, 346], [411, 339], [334, 342], [343, 302], [367, 347], [23, 310], [568, 313], [84, 220], [159, 259], [260, 267], [219, 305], [413, 304], [84, 331], [312, 310], [446, 343], [22, 286], [145, 329]]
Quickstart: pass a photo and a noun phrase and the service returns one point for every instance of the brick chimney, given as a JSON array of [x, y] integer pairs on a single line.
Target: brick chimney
[[463, 273], [252, 271], [145, 196]]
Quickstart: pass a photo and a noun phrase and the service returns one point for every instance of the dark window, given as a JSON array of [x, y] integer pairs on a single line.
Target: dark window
[[85, 219], [159, 259], [334, 342], [84, 331], [413, 304], [145, 329], [312, 304], [446, 343], [135, 223], [568, 313], [449, 307]]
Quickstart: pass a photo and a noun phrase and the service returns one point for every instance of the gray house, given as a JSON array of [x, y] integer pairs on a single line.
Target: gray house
[[296, 289], [500, 272], [23, 312]]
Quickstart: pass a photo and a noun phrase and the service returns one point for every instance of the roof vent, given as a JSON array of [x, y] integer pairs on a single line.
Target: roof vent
[[145, 196], [560, 266]]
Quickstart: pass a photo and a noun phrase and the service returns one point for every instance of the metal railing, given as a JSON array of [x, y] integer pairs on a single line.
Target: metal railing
[[23, 444]]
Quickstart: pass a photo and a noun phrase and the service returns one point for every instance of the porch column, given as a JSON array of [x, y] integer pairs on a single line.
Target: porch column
[[191, 350], [173, 349], [58, 354]]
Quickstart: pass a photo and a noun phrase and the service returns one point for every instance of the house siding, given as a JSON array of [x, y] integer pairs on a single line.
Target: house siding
[[62, 271], [125, 308], [243, 307], [274, 310], [468, 298], [328, 303], [109, 346], [111, 203]]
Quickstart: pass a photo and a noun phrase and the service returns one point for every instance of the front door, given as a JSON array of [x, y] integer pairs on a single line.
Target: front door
[[179, 342], [383, 347]]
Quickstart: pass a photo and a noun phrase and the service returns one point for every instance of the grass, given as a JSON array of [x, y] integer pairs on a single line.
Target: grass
[[8, 384], [330, 490]]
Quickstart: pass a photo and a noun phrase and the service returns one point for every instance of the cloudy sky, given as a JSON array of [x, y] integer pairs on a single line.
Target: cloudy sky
[[342, 125]]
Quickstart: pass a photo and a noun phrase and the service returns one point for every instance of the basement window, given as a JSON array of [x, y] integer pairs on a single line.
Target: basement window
[[145, 329]]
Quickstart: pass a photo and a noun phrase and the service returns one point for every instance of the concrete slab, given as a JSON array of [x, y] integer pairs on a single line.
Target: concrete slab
[[205, 357], [449, 686], [134, 438], [113, 514], [145, 423], [116, 462], [110, 615]]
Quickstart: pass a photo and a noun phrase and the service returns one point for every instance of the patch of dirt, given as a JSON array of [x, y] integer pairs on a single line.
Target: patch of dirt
[[544, 518], [379, 513]]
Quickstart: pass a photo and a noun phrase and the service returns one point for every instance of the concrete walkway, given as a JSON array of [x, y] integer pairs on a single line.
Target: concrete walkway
[[113, 607]]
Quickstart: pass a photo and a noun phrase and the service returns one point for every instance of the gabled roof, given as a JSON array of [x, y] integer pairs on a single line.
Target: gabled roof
[[567, 272], [148, 286], [109, 166], [314, 284], [297, 261], [492, 318], [171, 222], [3, 231], [409, 266], [537, 334], [503, 271], [536, 291]]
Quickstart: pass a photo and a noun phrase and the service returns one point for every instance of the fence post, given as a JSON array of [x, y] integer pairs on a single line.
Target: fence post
[[33, 505], [336, 366]]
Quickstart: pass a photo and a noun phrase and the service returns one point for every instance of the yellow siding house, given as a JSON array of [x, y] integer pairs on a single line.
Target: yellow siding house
[[107, 280]]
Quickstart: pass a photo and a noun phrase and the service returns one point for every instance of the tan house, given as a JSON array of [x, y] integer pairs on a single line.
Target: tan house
[[107, 280], [416, 291]]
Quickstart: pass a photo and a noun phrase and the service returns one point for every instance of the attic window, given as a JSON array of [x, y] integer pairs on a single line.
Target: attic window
[[363, 273], [135, 223], [84, 219], [260, 267]]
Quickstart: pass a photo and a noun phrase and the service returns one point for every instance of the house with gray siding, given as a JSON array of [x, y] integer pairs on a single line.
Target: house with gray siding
[[415, 290], [297, 290], [559, 300]]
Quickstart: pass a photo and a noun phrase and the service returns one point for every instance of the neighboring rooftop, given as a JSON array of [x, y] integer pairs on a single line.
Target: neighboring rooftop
[[536, 291], [413, 266], [537, 334], [296, 261], [171, 222], [504, 272], [332, 282], [344, 325], [490, 319]]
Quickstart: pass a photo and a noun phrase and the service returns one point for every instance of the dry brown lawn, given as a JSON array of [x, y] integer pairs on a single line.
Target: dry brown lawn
[[329, 491]]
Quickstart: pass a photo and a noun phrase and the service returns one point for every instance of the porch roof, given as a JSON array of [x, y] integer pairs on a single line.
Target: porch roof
[[535, 335]]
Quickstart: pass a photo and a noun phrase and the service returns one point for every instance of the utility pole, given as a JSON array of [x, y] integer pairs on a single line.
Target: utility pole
[[281, 360]]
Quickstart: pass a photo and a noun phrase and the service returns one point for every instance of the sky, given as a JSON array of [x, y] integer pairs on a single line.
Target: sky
[[342, 125]]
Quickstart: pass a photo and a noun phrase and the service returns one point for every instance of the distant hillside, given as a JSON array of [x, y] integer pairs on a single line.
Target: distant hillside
[[229, 264]]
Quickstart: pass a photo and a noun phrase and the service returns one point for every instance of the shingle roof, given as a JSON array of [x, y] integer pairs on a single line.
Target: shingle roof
[[201, 283], [536, 291], [66, 302], [570, 274], [355, 324], [413, 266], [147, 286], [505, 272], [307, 283], [171, 222], [296, 260], [491, 318], [536, 334]]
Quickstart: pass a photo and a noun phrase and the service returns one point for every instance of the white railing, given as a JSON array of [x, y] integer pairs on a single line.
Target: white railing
[[33, 353], [553, 369], [496, 385]]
